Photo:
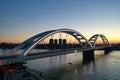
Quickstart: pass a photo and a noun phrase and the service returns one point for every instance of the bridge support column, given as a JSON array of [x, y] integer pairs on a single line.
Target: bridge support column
[[88, 55], [107, 50]]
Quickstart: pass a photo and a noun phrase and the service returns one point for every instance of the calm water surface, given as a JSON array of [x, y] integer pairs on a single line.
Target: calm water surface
[[71, 67]]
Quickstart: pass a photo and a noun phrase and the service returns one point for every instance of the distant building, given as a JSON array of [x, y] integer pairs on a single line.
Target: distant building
[[55, 42], [51, 41], [51, 44], [64, 44], [60, 43]]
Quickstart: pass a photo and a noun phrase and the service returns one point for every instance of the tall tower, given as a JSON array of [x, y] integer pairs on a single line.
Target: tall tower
[[51, 46], [55, 43], [60, 43], [64, 43]]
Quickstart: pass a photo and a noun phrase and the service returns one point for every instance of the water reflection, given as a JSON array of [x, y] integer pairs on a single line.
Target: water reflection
[[66, 67], [54, 62], [72, 67], [104, 67]]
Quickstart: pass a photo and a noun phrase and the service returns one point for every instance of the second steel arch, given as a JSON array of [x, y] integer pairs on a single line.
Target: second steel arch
[[94, 38]]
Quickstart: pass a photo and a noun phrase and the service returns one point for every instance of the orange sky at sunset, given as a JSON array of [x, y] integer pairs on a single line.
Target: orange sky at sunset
[[70, 39]]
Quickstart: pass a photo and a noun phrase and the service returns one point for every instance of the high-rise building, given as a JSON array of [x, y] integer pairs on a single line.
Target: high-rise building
[[55, 42], [51, 46], [64, 42], [60, 43], [50, 41]]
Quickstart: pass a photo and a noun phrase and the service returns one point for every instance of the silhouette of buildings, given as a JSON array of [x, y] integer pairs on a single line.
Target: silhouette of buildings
[[57, 44]]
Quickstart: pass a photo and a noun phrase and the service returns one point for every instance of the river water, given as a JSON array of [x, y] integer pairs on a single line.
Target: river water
[[71, 67]]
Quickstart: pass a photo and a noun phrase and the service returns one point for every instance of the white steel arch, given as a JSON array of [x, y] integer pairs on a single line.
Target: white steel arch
[[33, 41], [94, 38]]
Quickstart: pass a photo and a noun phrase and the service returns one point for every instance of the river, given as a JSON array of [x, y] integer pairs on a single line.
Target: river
[[71, 66]]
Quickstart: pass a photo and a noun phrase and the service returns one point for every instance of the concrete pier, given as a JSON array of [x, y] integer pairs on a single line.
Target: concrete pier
[[107, 50], [88, 55]]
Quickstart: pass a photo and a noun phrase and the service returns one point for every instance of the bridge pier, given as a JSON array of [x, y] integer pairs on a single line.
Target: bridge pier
[[88, 55], [107, 50]]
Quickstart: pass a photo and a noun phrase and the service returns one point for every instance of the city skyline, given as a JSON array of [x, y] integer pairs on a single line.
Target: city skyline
[[23, 19]]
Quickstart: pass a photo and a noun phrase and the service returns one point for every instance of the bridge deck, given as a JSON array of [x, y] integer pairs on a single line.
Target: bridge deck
[[32, 56]]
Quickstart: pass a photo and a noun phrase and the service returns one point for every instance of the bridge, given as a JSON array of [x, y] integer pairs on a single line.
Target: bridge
[[87, 47]]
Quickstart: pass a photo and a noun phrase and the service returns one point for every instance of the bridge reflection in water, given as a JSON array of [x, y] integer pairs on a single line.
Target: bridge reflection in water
[[71, 67]]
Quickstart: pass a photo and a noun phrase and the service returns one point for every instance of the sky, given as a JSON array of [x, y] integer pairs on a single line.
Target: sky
[[22, 19]]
